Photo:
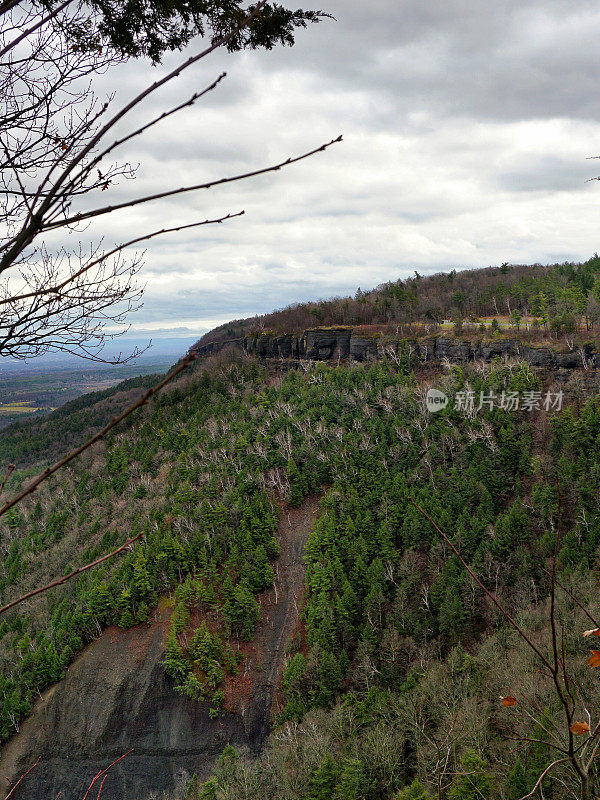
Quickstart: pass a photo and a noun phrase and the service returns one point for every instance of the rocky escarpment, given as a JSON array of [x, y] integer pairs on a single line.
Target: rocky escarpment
[[336, 344], [116, 697], [317, 344]]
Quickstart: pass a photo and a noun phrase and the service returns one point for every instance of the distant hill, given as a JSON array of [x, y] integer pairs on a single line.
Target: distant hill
[[558, 296]]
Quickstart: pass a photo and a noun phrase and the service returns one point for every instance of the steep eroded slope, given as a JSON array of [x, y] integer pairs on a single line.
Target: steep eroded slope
[[117, 696]]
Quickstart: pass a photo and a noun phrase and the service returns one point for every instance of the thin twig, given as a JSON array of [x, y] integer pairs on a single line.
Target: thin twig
[[33, 28], [574, 599], [60, 286], [491, 595], [25, 774], [34, 224], [65, 578], [104, 772], [184, 189], [542, 776], [9, 470], [143, 400]]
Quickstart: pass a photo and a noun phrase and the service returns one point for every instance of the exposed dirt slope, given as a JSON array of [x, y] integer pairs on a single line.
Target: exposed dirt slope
[[280, 612], [116, 696]]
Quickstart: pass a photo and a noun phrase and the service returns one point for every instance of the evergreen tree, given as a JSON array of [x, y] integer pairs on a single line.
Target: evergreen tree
[[516, 785], [472, 781], [415, 791], [353, 781], [324, 780], [175, 662]]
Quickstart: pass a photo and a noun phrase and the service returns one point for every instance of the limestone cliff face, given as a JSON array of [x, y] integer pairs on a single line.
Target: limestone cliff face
[[333, 344]]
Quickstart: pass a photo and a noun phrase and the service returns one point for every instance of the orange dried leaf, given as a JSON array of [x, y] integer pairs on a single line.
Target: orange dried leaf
[[509, 701], [579, 728], [594, 659], [593, 632]]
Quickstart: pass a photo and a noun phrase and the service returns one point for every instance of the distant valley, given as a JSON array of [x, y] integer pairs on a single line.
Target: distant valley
[[32, 389]]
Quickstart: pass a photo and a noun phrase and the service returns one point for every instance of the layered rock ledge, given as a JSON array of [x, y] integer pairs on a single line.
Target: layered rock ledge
[[348, 344]]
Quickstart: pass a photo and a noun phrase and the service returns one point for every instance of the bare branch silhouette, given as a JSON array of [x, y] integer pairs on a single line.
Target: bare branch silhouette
[[22, 778], [73, 574], [564, 685], [103, 773], [43, 476], [482, 586], [56, 146], [143, 400], [81, 217]]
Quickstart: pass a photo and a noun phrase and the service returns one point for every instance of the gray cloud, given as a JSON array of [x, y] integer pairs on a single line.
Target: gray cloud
[[466, 128], [547, 174]]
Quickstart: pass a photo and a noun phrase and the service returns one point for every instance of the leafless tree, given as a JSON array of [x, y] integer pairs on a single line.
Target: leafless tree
[[59, 151], [575, 740], [97, 781]]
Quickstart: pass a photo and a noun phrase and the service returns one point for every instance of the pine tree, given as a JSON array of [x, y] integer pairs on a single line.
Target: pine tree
[[472, 781], [101, 602], [415, 791], [201, 648], [324, 779], [516, 785], [353, 781], [175, 662], [262, 575], [242, 610], [298, 485], [208, 790]]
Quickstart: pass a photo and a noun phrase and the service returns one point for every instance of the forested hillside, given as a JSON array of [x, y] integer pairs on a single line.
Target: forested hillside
[[403, 680], [42, 440], [557, 298]]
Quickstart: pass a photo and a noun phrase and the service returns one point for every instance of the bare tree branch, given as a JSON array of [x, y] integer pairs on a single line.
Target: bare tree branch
[[73, 574], [542, 776], [25, 774], [159, 195], [574, 599], [61, 286], [39, 24], [43, 476], [54, 148], [557, 669], [491, 595], [143, 400], [103, 773]]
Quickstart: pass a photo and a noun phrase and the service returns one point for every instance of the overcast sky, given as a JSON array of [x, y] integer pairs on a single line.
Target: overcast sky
[[466, 124]]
